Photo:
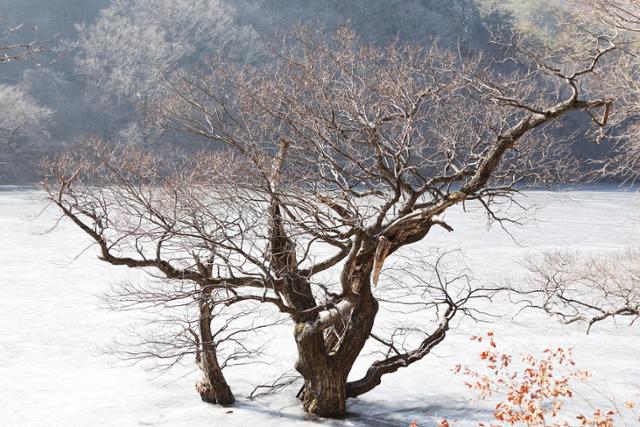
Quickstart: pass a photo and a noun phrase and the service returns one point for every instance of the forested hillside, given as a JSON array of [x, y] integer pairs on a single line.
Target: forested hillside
[[107, 60]]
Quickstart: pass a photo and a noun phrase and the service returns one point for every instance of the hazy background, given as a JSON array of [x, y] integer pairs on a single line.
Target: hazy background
[[106, 59]]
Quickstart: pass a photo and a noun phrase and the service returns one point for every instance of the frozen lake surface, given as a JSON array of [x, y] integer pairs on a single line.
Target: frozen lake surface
[[53, 371]]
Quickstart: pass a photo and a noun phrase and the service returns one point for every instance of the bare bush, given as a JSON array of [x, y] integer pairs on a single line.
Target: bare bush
[[587, 289], [538, 390]]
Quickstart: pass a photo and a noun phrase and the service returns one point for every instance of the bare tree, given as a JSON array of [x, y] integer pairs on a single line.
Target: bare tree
[[337, 155], [132, 44], [623, 18], [19, 113], [22, 120], [623, 14], [186, 321]]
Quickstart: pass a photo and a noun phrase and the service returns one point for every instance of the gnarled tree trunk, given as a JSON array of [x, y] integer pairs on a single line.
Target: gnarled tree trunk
[[324, 381], [329, 346]]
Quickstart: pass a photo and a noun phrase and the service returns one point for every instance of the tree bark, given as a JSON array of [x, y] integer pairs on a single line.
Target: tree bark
[[324, 392], [326, 396], [324, 383], [329, 346], [213, 387]]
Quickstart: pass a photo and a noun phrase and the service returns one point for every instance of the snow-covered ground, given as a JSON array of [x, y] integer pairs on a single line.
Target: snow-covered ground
[[52, 329]]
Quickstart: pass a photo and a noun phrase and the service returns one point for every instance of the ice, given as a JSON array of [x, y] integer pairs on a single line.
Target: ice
[[53, 371]]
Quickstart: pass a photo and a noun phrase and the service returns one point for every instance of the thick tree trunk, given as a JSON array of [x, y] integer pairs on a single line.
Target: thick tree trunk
[[324, 395], [213, 387], [328, 348], [324, 392]]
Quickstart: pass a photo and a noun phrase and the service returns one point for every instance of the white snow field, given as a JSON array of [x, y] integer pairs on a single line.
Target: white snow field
[[52, 329]]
